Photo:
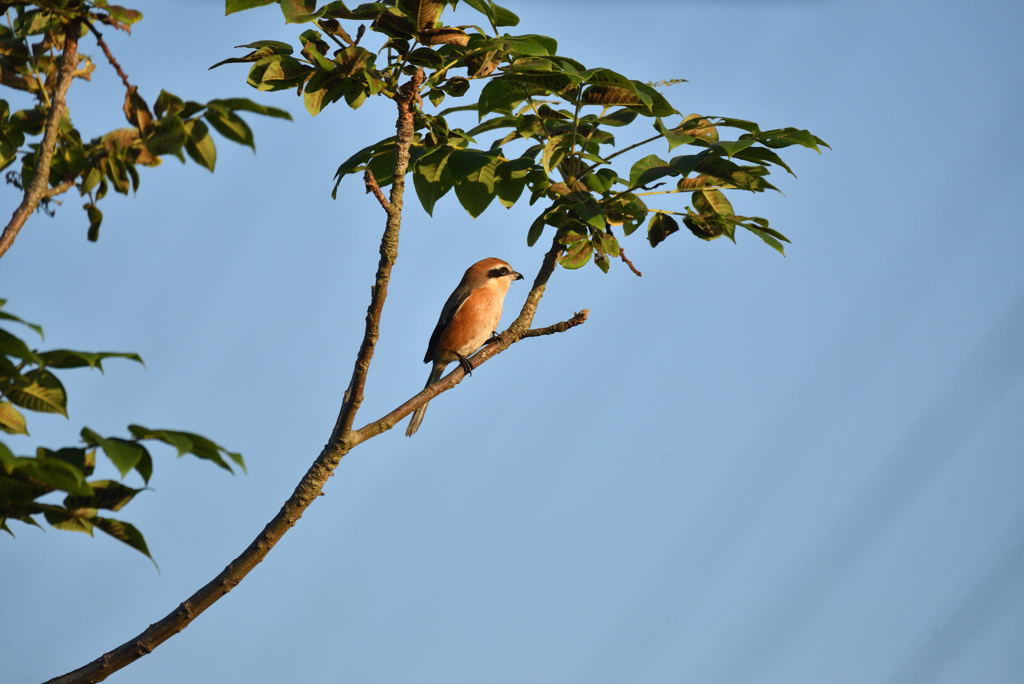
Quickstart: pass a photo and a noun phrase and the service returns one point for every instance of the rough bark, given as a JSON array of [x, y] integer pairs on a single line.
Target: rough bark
[[36, 189]]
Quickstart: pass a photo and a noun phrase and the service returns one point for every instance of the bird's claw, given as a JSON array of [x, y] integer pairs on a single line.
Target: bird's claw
[[466, 365]]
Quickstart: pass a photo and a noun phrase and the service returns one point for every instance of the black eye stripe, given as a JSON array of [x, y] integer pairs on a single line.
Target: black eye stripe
[[497, 272]]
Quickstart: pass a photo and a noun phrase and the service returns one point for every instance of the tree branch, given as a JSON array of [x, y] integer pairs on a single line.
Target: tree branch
[[36, 188], [312, 483], [406, 101], [371, 186], [110, 56], [579, 318]]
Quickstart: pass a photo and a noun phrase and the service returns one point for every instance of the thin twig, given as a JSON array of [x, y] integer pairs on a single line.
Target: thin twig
[[578, 319], [622, 255], [60, 189], [37, 187], [371, 186], [110, 56]]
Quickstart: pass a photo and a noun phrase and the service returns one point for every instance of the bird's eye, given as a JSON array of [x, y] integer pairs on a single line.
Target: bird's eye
[[504, 271]]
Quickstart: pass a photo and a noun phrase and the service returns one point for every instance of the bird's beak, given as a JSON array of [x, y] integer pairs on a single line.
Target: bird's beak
[[518, 276]]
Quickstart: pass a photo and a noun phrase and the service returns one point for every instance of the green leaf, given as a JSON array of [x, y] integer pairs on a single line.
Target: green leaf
[[687, 163], [620, 117], [762, 155], [11, 317], [188, 442], [587, 209], [731, 147], [768, 239], [660, 227], [536, 230], [550, 45], [199, 144], [321, 89], [503, 95], [230, 125], [14, 346], [394, 25], [40, 391], [124, 532], [432, 177], [784, 137], [56, 474], [481, 6], [700, 128], [462, 163], [277, 72], [502, 16], [261, 50], [577, 255], [95, 217], [67, 520], [11, 421], [648, 170], [606, 243], [242, 104], [298, 11], [84, 460], [476, 190], [510, 179], [166, 136], [675, 137], [659, 105], [66, 358], [107, 494], [554, 152], [425, 57], [715, 201], [123, 454]]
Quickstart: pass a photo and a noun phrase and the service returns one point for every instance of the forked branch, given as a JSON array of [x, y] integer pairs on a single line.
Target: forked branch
[[343, 438]]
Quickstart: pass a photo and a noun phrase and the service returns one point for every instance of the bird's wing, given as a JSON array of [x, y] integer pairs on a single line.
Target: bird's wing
[[451, 307]]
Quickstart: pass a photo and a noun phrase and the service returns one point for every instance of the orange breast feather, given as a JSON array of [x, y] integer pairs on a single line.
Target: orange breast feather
[[472, 325]]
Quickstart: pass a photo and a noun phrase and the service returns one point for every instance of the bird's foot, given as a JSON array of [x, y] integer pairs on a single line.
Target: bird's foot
[[465, 363]]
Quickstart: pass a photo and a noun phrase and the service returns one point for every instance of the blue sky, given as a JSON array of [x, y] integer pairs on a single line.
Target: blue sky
[[743, 468]]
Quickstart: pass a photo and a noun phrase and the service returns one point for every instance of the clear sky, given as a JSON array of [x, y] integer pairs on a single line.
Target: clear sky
[[743, 468]]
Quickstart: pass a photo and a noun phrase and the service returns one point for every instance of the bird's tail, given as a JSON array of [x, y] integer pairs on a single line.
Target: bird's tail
[[417, 416]]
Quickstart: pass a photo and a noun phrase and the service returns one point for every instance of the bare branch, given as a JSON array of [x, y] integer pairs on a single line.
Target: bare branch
[[371, 186], [36, 189], [60, 189], [578, 319], [110, 56], [406, 101]]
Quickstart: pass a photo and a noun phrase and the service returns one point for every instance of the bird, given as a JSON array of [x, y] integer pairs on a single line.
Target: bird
[[469, 318]]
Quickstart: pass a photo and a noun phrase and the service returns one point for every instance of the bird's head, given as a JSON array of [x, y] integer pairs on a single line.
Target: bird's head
[[493, 272]]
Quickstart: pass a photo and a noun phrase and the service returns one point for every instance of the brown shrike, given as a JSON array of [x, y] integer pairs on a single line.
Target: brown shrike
[[468, 319]]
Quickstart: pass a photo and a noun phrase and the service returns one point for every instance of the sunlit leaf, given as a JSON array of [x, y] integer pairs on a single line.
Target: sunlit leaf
[[40, 391]]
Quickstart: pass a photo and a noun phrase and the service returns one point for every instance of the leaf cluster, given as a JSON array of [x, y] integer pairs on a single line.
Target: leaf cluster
[[28, 382], [30, 48], [559, 113]]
